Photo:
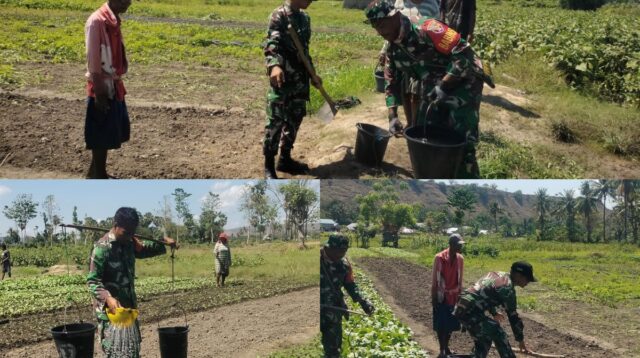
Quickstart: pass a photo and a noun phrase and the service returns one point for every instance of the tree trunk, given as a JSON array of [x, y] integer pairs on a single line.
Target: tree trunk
[[604, 218]]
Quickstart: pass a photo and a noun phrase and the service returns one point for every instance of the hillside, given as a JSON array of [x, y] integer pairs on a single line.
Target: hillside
[[432, 195]]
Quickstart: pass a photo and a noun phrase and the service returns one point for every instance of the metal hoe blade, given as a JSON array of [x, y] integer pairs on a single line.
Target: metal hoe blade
[[327, 112]]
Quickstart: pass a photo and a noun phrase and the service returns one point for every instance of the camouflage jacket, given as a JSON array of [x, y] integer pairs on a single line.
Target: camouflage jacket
[[493, 290], [427, 49], [280, 50], [112, 270], [334, 276]]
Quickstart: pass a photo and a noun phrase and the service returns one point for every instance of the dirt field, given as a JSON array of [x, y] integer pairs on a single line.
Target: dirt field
[[397, 280], [255, 327]]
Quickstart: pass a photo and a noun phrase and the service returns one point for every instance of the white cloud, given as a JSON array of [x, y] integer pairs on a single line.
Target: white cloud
[[221, 185], [4, 190], [232, 196]]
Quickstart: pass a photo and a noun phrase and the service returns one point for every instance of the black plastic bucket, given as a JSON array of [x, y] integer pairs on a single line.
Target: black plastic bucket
[[173, 341], [379, 76], [371, 143], [74, 340], [435, 152]]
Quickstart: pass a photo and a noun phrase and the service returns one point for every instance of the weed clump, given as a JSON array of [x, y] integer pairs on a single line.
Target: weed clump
[[563, 133]]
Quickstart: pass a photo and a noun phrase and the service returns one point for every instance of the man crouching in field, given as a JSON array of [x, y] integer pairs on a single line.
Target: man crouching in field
[[289, 92], [490, 292], [107, 121], [112, 274], [452, 75]]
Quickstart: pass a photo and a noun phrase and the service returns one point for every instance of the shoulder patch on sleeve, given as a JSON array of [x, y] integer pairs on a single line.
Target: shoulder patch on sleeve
[[444, 38]]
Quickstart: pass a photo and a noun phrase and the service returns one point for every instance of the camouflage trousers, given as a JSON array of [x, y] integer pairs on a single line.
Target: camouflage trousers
[[460, 113], [283, 121], [331, 328], [485, 330]]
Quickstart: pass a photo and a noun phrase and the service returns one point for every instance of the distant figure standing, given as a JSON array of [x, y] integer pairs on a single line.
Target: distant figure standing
[[446, 287], [106, 123], [222, 253], [6, 261], [460, 15]]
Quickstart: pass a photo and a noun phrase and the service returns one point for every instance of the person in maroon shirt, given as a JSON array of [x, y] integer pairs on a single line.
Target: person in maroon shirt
[[446, 286], [107, 123]]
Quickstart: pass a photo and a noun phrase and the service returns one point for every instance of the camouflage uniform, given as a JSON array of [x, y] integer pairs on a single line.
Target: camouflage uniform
[[287, 105], [429, 50], [112, 273], [334, 276], [493, 290]]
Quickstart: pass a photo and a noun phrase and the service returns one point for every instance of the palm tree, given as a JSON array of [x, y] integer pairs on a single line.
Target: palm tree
[[495, 210], [626, 189], [602, 189], [587, 206], [567, 207], [542, 206]]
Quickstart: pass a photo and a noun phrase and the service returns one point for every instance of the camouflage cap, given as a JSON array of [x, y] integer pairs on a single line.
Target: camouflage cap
[[337, 241], [379, 9]]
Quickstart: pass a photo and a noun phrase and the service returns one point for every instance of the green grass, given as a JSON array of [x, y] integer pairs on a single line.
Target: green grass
[[310, 349]]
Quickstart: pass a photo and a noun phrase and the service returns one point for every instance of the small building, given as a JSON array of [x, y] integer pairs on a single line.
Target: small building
[[352, 227], [328, 225], [406, 231], [451, 230]]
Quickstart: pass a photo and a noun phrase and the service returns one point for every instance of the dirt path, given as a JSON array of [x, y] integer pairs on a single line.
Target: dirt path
[[398, 279], [248, 329]]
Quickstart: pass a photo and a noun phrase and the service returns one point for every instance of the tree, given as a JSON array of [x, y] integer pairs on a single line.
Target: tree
[[587, 205], [495, 210], [542, 206], [461, 199], [258, 208], [602, 190], [182, 208], [212, 220], [380, 208], [300, 203], [435, 221], [566, 207], [166, 214], [339, 212], [21, 211], [51, 210], [626, 190], [518, 197]]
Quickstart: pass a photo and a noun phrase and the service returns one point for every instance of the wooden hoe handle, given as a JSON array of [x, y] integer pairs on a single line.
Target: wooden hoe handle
[[307, 64]]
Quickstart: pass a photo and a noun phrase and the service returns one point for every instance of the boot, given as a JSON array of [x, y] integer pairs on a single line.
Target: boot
[[269, 167], [289, 165]]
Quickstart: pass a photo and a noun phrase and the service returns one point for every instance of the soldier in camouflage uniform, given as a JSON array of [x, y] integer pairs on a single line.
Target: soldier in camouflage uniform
[[289, 92], [494, 290], [112, 269], [335, 273], [451, 73]]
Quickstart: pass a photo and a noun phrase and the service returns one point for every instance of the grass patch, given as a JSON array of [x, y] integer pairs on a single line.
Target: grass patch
[[310, 349], [499, 158]]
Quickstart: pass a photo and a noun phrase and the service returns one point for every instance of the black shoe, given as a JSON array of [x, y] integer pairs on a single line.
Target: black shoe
[[269, 168], [289, 165]]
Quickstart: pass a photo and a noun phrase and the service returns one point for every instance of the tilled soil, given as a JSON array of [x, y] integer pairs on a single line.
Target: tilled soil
[[246, 329], [410, 287], [46, 134]]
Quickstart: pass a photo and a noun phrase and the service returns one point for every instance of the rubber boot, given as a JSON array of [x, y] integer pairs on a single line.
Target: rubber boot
[[269, 167], [289, 165]]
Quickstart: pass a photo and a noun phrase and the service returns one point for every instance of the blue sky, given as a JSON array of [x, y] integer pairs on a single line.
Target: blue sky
[[100, 199]]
